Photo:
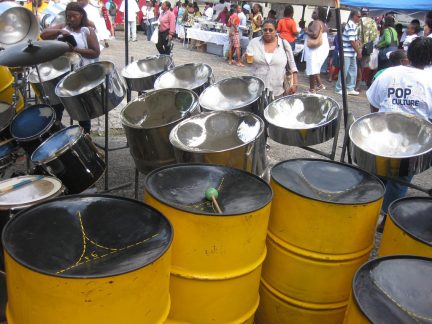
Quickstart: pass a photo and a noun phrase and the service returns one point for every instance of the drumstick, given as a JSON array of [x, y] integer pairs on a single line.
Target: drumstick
[[19, 184], [6, 141], [211, 194]]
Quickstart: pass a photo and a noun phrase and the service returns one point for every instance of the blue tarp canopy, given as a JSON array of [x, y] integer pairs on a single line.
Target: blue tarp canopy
[[413, 5]]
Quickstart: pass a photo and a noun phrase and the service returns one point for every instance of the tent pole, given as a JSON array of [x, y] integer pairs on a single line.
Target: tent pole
[[342, 75], [304, 12], [126, 33]]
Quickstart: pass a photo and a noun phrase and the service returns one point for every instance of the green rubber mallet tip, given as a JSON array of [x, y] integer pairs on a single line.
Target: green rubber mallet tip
[[211, 192]]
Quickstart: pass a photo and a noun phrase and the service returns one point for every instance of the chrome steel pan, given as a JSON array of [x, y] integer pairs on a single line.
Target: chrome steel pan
[[141, 75], [231, 138], [148, 121], [392, 144], [51, 73], [239, 93], [81, 91], [17, 24], [302, 119], [192, 76]]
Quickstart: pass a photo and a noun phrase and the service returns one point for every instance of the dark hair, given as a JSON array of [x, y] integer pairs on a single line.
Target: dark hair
[[270, 21], [415, 21], [168, 4], [416, 26], [354, 12], [420, 52], [389, 21], [289, 11], [302, 24], [74, 6], [428, 19], [322, 14], [259, 7], [396, 57], [272, 12]]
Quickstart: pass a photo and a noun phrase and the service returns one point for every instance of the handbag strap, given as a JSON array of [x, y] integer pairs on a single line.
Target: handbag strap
[[286, 54]]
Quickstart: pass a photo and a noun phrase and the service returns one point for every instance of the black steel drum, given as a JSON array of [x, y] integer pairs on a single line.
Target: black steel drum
[[71, 156], [7, 156], [32, 126]]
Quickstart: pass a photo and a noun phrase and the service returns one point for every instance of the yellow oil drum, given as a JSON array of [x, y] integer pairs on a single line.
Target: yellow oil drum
[[88, 259], [216, 258], [7, 90], [321, 230], [392, 289], [408, 229]]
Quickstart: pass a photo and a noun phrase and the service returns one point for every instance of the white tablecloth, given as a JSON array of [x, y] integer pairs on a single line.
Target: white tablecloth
[[213, 37]]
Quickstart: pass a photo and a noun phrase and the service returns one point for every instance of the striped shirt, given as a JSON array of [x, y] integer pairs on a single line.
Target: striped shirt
[[349, 35]]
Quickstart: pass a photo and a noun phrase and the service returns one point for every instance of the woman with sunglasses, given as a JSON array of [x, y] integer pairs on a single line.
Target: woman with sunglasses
[[271, 57]]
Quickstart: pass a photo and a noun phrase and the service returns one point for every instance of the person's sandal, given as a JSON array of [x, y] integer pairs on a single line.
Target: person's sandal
[[321, 87]]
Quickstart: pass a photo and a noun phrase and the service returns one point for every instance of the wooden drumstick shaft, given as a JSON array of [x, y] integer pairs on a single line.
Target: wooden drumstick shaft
[[216, 205], [19, 184]]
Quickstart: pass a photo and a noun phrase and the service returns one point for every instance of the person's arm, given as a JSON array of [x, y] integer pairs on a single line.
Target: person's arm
[[279, 27], [373, 109], [294, 28], [258, 20], [53, 32], [374, 94], [93, 50], [292, 67], [172, 26]]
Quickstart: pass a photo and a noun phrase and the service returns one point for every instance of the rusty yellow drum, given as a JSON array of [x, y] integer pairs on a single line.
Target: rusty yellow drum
[[7, 90], [408, 230], [216, 259], [392, 289], [321, 230], [88, 259]]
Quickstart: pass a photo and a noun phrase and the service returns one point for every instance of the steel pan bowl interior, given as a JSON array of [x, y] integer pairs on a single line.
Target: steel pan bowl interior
[[384, 137], [216, 131], [81, 81], [231, 94], [188, 76], [159, 108], [302, 119], [17, 24], [150, 66], [51, 70]]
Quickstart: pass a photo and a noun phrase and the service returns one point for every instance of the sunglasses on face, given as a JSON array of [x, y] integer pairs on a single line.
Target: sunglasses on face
[[268, 30]]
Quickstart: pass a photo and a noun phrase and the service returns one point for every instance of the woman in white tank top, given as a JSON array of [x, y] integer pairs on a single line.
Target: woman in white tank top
[[86, 43]]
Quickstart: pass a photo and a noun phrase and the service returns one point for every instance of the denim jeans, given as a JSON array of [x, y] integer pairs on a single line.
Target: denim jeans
[[394, 191], [149, 29], [350, 74]]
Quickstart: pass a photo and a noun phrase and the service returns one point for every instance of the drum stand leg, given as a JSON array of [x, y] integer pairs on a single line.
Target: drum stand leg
[[106, 148], [45, 99]]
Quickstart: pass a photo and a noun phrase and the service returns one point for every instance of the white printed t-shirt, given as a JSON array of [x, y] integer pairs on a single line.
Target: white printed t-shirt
[[403, 89]]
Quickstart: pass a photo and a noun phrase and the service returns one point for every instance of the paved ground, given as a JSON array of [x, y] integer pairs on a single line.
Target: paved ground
[[121, 164]]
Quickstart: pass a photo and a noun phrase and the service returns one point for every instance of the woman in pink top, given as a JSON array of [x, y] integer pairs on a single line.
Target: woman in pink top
[[167, 21]]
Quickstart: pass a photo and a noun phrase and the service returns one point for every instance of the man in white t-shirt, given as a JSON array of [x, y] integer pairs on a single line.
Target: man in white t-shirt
[[208, 11], [406, 89], [242, 16], [133, 9]]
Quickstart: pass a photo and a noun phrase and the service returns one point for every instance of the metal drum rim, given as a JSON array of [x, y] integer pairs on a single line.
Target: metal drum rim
[[204, 213], [324, 201], [151, 93], [62, 150], [33, 77], [351, 130], [399, 225], [338, 109], [225, 80], [62, 275], [148, 58], [157, 81], [378, 260], [202, 151], [33, 137], [80, 93], [30, 204]]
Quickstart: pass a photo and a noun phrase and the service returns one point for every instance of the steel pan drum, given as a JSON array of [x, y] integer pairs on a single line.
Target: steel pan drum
[[239, 93], [7, 156], [148, 121], [192, 76], [216, 259], [228, 138], [394, 289], [141, 75], [17, 24], [51, 73], [408, 230], [302, 119], [81, 90], [7, 113], [392, 144], [88, 259]]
